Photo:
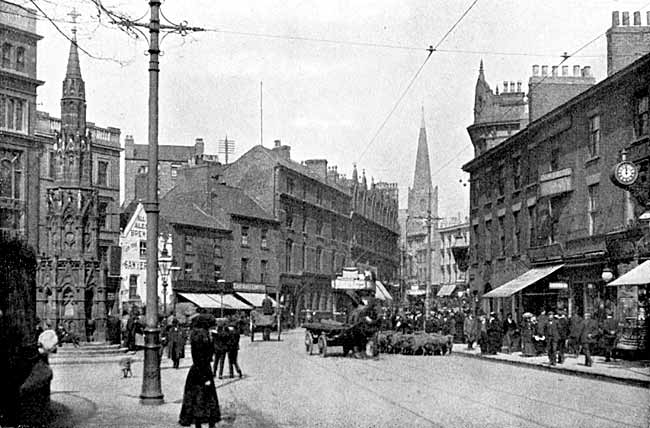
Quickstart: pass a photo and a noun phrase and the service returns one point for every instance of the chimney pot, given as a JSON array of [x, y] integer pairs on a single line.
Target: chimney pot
[[554, 70], [615, 19], [277, 143], [586, 71], [545, 70], [576, 70], [535, 70], [637, 18], [505, 86], [512, 87], [565, 70], [519, 86], [626, 18]]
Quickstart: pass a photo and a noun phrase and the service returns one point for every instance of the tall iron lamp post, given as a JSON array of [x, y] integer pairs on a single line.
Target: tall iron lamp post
[[164, 265]]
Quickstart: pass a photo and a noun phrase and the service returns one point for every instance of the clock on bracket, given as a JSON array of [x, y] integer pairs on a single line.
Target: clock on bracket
[[625, 173]]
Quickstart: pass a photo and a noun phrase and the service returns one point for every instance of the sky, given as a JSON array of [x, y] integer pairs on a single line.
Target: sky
[[324, 99]]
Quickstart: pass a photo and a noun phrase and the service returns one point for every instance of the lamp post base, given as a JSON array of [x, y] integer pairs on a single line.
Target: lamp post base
[[151, 385]]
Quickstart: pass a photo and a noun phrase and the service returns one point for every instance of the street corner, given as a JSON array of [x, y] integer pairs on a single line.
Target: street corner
[[68, 409]]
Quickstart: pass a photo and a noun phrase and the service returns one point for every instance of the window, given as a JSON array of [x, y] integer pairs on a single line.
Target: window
[[6, 55], [532, 220], [319, 227], [501, 180], [641, 119], [133, 287], [19, 115], [188, 245], [217, 272], [291, 186], [554, 161], [592, 207], [594, 136], [218, 253], [304, 222], [13, 114], [174, 171], [304, 257], [102, 214], [102, 173], [288, 248], [244, 270], [52, 164], [264, 243], [333, 262], [143, 249], [516, 232], [142, 169], [188, 268], [319, 196], [20, 58], [288, 221], [502, 236], [244, 235], [319, 259], [488, 240], [475, 241], [516, 172], [264, 271]]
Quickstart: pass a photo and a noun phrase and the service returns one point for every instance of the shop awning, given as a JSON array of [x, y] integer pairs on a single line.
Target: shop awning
[[254, 299], [446, 290], [380, 292], [640, 275], [522, 281], [213, 301]]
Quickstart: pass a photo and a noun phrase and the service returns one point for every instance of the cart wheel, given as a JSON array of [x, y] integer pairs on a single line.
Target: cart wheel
[[322, 345], [309, 343]]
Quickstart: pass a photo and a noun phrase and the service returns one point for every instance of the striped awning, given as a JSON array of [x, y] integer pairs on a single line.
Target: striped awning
[[446, 290], [214, 301], [640, 275], [254, 299], [381, 293], [526, 279]]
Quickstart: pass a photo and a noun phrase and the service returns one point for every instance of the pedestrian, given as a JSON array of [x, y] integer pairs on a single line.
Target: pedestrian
[[220, 340], [527, 333], [267, 305], [552, 335], [494, 334], [233, 350], [609, 335], [469, 328], [575, 328], [483, 335], [541, 322], [509, 331], [588, 337], [90, 329], [200, 401], [175, 343], [563, 329]]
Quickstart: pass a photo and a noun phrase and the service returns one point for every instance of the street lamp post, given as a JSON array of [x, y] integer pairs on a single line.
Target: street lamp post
[[165, 264]]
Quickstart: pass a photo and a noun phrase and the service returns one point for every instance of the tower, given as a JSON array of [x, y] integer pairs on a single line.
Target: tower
[[423, 196], [71, 290]]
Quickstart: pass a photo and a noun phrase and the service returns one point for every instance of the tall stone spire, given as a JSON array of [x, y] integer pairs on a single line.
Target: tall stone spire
[[73, 100], [422, 176]]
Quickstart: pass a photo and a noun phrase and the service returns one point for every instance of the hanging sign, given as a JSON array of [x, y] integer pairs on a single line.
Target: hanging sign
[[558, 285]]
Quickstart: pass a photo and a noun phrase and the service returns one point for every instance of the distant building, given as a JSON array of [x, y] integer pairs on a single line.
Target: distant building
[[454, 246], [171, 159], [19, 147], [546, 221]]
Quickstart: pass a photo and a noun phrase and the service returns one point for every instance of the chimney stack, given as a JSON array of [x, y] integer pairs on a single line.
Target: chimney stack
[[637, 18], [277, 143], [544, 70], [627, 43], [283, 151], [199, 147], [626, 18], [616, 20], [519, 86], [586, 71]]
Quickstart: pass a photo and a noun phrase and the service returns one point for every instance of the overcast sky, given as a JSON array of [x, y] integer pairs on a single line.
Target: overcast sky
[[326, 100]]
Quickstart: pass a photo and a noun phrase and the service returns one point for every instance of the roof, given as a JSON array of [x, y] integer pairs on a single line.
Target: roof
[[128, 209], [182, 208], [534, 126], [165, 153], [640, 275]]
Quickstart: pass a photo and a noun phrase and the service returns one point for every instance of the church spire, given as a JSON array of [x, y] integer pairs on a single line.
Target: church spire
[[422, 176], [73, 100]]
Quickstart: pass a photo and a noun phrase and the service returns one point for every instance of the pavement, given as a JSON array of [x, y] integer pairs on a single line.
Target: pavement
[[628, 372], [283, 386]]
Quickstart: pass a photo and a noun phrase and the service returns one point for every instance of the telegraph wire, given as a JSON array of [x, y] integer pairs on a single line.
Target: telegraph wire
[[455, 25]]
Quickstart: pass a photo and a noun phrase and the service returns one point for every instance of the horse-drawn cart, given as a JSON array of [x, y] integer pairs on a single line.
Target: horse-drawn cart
[[260, 322], [326, 334]]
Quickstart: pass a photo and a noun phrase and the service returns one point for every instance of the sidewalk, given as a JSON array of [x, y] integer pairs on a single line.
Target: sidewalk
[[635, 373]]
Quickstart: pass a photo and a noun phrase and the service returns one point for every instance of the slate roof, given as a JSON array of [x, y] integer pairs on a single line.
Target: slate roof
[[165, 153]]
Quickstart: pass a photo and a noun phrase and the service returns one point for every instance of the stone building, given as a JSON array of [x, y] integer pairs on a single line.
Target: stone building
[[313, 204], [544, 215], [19, 147], [73, 285], [454, 246], [171, 159]]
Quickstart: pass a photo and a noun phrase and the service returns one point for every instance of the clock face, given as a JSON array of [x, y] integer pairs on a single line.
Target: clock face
[[626, 173]]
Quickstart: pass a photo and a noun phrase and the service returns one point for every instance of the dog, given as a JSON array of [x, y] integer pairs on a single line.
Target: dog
[[125, 365]]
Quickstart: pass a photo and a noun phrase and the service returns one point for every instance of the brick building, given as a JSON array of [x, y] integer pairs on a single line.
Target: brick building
[[313, 205], [170, 160], [454, 246], [19, 147], [544, 215]]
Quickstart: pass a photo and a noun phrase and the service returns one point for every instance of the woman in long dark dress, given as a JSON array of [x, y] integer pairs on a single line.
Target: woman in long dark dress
[[200, 402]]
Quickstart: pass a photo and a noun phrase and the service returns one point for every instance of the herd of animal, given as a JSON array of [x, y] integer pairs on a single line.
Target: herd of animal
[[418, 343]]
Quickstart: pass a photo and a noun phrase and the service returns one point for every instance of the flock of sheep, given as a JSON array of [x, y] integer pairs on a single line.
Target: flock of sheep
[[418, 343]]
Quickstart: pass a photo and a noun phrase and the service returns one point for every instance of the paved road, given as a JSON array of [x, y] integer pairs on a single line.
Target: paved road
[[285, 387]]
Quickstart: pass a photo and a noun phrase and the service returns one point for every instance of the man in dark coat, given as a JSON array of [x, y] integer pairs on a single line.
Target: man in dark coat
[[541, 322], [267, 305], [220, 340], [233, 349], [200, 401], [588, 337], [494, 334], [552, 334], [509, 330], [575, 329], [609, 327], [176, 343], [563, 329]]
